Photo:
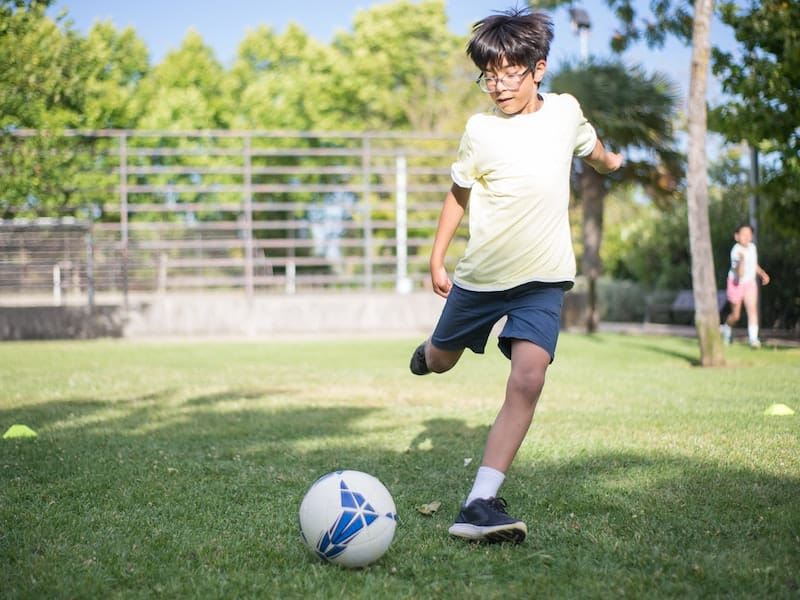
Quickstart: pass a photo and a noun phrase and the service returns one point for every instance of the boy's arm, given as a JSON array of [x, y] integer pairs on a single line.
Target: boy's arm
[[603, 161], [453, 209]]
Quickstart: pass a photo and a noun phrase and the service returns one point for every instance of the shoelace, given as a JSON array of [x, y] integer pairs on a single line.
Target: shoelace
[[499, 504]]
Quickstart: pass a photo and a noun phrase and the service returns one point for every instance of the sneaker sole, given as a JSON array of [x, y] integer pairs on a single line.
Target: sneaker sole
[[513, 532]]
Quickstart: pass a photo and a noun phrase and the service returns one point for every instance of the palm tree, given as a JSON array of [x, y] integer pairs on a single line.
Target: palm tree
[[633, 112]]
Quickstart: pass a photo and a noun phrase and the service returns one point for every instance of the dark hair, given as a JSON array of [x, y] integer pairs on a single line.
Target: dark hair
[[518, 35], [742, 226]]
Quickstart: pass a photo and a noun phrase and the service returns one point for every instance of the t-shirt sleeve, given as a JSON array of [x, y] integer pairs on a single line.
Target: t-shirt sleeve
[[585, 135], [462, 172]]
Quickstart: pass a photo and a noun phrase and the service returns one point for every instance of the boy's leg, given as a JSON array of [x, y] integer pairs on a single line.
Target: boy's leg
[[466, 322], [483, 516], [529, 363], [427, 358]]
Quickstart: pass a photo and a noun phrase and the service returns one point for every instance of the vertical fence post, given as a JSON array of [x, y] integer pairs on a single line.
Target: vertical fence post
[[90, 266], [57, 284], [248, 218], [123, 213], [366, 159], [403, 283]]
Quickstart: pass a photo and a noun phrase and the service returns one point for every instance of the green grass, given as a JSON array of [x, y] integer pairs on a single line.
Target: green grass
[[175, 470]]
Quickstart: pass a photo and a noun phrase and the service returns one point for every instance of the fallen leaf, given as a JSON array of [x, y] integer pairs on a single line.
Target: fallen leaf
[[429, 509]]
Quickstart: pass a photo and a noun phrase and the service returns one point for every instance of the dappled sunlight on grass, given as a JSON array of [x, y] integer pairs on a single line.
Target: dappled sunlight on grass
[[177, 470]]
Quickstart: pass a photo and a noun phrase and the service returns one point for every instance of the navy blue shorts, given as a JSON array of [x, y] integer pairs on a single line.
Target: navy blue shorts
[[533, 312]]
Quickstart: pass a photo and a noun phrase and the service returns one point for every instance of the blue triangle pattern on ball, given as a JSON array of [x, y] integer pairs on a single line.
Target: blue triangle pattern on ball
[[356, 515]]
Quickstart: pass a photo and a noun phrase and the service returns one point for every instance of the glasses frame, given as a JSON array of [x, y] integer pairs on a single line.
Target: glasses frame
[[483, 84]]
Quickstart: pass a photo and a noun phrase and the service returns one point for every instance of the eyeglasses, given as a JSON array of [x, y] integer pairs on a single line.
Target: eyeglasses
[[511, 82]]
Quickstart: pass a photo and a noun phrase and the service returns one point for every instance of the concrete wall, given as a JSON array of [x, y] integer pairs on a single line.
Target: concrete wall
[[229, 315], [298, 314], [60, 322], [207, 314]]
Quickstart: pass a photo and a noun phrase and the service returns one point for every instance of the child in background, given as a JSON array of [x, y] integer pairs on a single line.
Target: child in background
[[742, 286]]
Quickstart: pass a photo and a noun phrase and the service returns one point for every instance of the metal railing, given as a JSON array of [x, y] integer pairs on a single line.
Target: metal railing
[[251, 211]]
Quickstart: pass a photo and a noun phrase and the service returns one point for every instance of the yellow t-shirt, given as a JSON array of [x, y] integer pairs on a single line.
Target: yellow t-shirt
[[518, 168]]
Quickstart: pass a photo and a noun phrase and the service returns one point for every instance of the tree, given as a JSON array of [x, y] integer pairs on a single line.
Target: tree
[[681, 19], [283, 81], [185, 91], [706, 314], [632, 111], [43, 64], [396, 69], [118, 61], [763, 109]]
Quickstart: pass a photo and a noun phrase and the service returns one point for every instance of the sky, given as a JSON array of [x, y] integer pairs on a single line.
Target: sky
[[223, 25]]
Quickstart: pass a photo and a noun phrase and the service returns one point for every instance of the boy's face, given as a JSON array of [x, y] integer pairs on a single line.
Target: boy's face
[[513, 94], [744, 236]]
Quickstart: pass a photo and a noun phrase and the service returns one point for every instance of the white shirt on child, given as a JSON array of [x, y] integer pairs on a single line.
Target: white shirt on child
[[750, 262], [518, 169]]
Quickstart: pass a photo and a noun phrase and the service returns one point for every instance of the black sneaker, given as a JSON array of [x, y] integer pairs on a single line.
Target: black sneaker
[[418, 365], [486, 520]]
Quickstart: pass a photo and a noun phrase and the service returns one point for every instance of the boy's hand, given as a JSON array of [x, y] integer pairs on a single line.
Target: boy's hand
[[613, 161], [603, 161], [441, 282]]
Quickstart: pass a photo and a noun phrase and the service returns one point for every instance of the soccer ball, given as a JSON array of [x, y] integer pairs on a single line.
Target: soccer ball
[[348, 518]]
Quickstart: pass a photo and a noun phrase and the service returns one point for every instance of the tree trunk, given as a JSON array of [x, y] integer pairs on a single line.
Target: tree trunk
[[592, 198], [706, 312]]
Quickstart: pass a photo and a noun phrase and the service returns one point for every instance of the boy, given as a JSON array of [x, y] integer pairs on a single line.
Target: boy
[[741, 286], [513, 169]]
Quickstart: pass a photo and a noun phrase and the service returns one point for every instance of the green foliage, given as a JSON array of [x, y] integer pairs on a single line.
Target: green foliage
[[654, 251], [282, 81], [763, 81], [185, 91], [119, 62], [395, 71], [54, 79], [176, 470], [651, 247], [633, 112], [44, 66]]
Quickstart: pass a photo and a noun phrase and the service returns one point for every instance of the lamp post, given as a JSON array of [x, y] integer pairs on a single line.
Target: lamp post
[[581, 26]]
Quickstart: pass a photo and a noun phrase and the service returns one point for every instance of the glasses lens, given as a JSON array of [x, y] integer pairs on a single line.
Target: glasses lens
[[511, 82]]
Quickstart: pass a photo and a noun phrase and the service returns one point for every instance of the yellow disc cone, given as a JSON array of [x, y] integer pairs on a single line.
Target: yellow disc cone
[[19, 431], [779, 410]]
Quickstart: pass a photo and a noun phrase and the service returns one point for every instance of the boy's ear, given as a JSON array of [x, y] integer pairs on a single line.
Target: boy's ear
[[539, 70]]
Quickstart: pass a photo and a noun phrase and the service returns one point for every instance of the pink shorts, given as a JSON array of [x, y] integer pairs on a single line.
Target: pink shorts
[[737, 292]]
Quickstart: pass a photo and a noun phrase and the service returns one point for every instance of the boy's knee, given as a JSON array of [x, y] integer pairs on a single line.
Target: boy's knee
[[440, 361], [528, 383]]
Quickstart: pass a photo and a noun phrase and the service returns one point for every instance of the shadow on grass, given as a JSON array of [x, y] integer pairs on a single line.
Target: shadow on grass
[[141, 500], [690, 357], [662, 518]]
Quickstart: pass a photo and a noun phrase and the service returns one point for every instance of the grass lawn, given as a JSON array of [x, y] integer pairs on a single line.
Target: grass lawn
[[175, 470]]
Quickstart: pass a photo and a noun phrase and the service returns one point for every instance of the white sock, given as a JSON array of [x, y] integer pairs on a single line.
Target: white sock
[[487, 482], [752, 332]]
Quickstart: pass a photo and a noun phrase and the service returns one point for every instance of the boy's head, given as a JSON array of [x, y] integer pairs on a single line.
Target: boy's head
[[517, 37], [744, 234]]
